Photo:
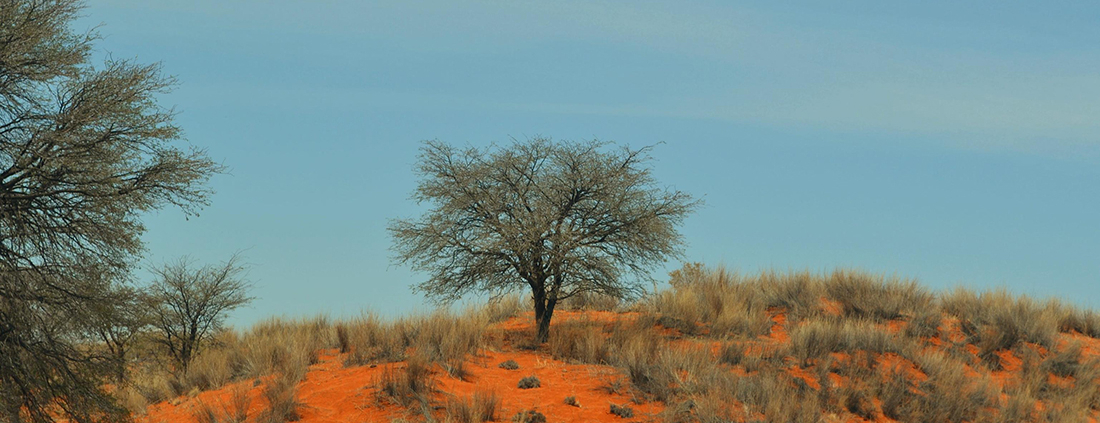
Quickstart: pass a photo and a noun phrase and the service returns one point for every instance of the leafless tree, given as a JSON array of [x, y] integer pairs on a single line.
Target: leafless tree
[[190, 304], [560, 218], [84, 151]]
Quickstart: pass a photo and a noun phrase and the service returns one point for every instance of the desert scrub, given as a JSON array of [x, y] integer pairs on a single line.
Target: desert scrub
[[623, 411], [529, 416], [509, 365], [529, 382]]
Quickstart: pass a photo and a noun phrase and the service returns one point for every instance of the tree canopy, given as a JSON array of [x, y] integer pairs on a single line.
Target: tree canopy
[[84, 150], [562, 218]]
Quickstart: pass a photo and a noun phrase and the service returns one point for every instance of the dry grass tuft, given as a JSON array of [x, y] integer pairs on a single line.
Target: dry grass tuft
[[281, 394], [407, 385], [482, 407]]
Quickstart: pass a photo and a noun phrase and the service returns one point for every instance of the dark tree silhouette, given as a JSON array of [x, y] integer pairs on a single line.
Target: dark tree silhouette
[[560, 218], [84, 150]]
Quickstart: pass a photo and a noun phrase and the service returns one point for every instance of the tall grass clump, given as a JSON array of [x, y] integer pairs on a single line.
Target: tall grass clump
[[997, 320], [369, 340], [281, 394], [583, 342], [483, 406], [866, 296], [818, 338], [408, 385], [712, 302], [447, 338]]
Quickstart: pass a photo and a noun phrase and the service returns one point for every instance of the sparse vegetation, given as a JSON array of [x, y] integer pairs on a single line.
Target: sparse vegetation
[[623, 411], [838, 356], [529, 382], [529, 416], [482, 407]]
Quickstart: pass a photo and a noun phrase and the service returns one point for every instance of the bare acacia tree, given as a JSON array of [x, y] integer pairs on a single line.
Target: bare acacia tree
[[190, 304], [561, 218], [84, 151]]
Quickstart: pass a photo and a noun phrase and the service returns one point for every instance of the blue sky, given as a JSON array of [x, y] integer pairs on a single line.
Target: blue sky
[[954, 143]]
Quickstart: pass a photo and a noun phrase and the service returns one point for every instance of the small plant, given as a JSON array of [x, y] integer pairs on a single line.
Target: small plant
[[529, 382], [529, 416], [509, 365], [623, 411], [572, 400]]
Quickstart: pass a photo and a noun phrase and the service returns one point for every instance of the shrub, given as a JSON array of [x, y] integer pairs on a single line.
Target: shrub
[[623, 411], [509, 365], [529, 382], [571, 400], [529, 416]]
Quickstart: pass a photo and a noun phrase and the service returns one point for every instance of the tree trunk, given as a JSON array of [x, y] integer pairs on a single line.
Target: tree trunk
[[544, 311]]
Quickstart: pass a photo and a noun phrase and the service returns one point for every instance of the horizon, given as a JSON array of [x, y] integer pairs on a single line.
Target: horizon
[[952, 144]]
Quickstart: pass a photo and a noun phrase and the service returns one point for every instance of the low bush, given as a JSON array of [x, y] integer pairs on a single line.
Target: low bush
[[623, 411], [529, 416], [529, 382]]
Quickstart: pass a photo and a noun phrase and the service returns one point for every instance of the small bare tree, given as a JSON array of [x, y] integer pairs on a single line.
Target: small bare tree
[[560, 218], [189, 304]]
